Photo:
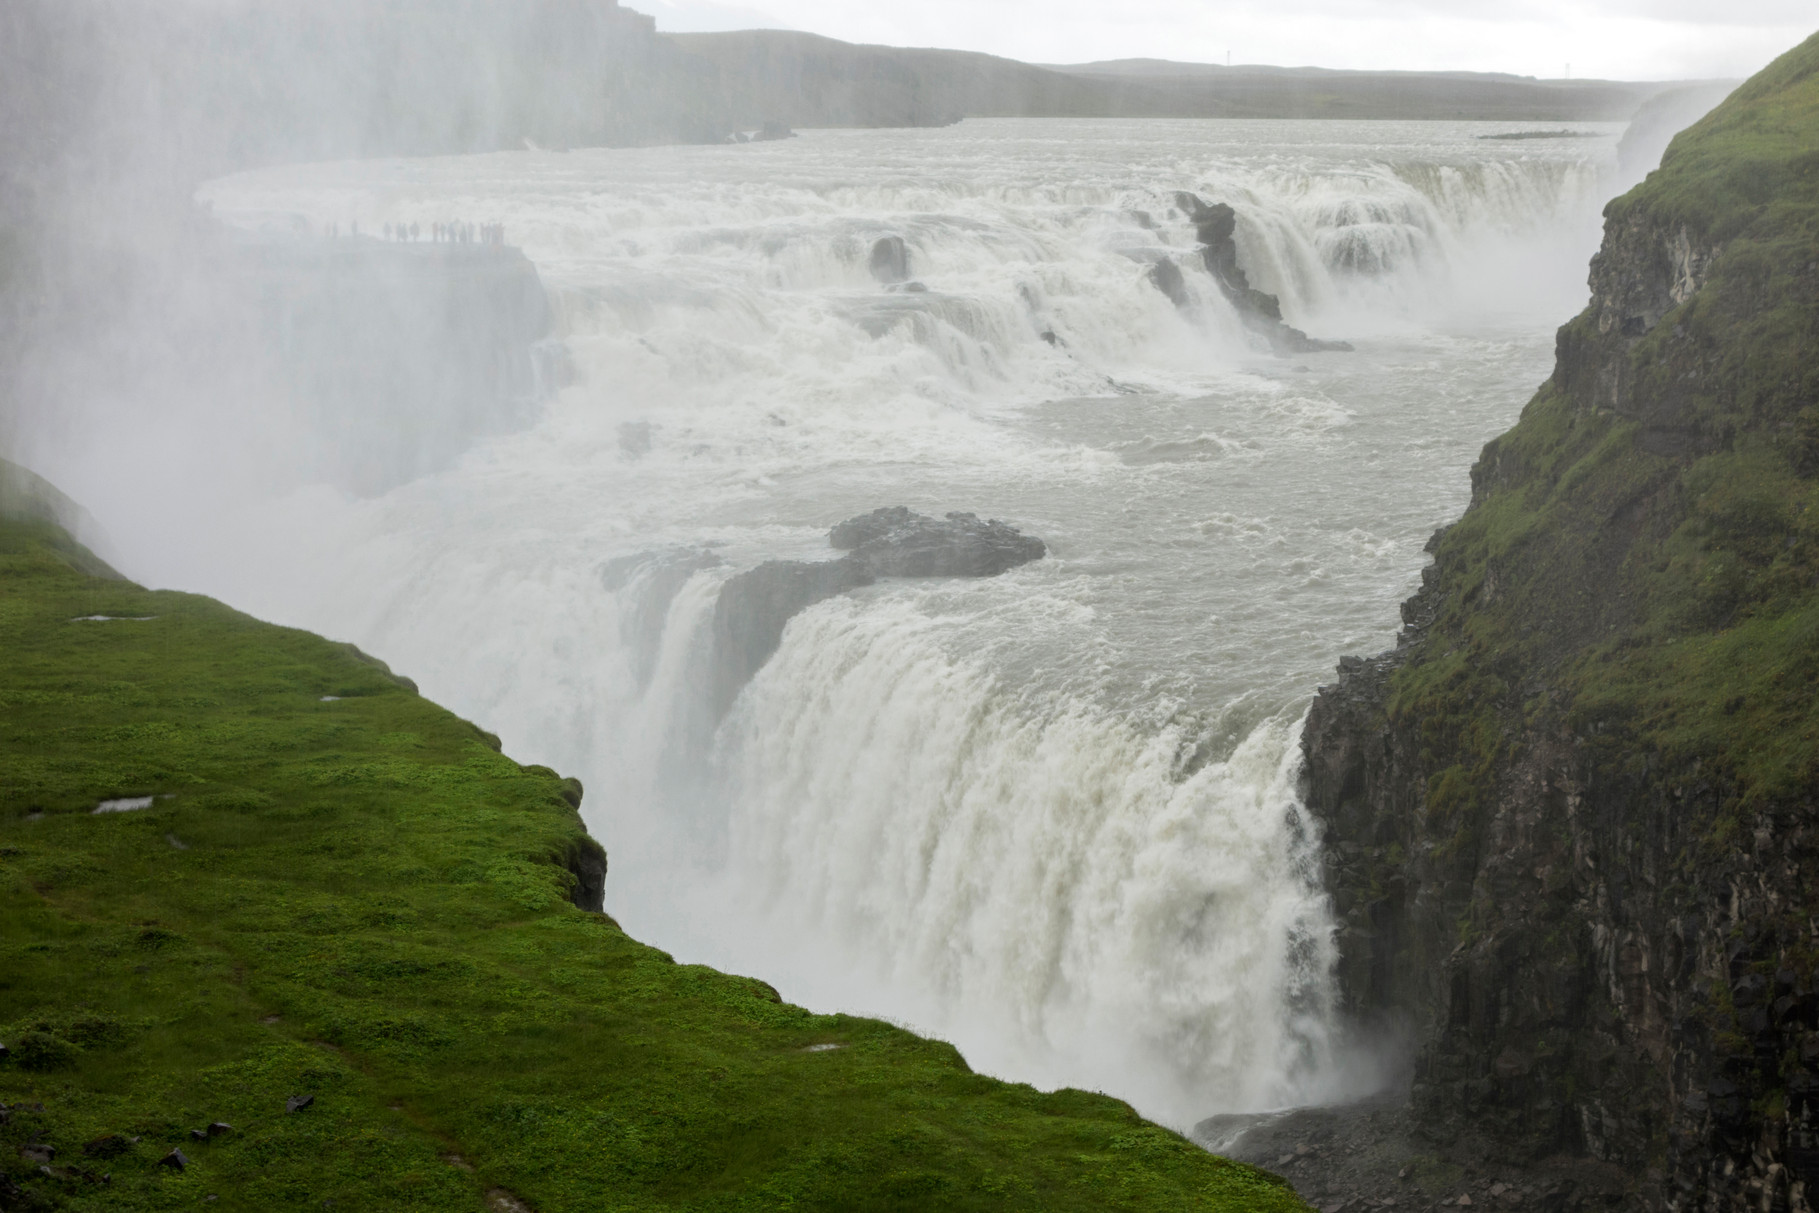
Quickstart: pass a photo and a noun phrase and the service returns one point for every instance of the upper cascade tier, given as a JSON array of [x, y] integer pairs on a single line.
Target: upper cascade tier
[[748, 278]]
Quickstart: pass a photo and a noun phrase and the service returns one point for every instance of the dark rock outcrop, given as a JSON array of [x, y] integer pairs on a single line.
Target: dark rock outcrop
[[1166, 277], [1370, 1155], [586, 862], [754, 606], [1216, 228], [895, 542], [890, 260], [1572, 819]]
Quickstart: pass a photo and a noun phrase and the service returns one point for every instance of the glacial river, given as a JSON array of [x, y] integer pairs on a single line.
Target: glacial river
[[1049, 816]]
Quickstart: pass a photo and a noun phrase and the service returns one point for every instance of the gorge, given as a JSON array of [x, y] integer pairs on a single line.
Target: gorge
[[923, 544]]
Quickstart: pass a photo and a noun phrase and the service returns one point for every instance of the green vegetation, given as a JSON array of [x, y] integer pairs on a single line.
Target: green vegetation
[[1653, 577], [358, 899], [1750, 164]]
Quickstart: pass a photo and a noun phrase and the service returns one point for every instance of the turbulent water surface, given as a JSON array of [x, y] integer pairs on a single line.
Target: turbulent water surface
[[1051, 815]]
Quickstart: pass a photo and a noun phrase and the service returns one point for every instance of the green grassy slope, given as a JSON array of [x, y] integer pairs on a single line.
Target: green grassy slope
[[1659, 576], [359, 899]]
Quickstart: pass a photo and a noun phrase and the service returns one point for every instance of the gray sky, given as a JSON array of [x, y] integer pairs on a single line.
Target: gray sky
[[1614, 39]]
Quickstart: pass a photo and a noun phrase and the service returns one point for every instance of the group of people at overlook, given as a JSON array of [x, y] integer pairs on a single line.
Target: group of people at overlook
[[492, 234]]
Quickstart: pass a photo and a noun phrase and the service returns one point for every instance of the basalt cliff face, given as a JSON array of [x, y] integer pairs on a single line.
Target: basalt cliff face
[[1573, 817]]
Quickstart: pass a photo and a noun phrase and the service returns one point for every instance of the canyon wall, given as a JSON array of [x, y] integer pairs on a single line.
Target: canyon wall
[[1571, 818]]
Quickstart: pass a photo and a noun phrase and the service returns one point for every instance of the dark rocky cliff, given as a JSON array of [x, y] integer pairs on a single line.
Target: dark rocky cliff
[[1573, 817]]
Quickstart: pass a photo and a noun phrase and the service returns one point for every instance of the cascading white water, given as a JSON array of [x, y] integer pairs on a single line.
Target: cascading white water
[[1048, 887], [1049, 815]]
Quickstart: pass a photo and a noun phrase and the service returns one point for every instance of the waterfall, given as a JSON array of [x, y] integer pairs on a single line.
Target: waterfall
[[1049, 815]]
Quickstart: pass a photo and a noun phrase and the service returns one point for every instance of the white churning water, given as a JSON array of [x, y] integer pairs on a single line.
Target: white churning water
[[1050, 816]]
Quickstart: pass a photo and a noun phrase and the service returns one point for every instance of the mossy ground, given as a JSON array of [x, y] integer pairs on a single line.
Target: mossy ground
[[359, 899]]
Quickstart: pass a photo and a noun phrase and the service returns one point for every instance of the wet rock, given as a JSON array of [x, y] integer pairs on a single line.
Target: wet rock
[[110, 1146], [896, 542], [754, 606], [890, 260], [1216, 226], [297, 1103], [1375, 1154], [37, 1152], [176, 1160], [772, 131], [1166, 277]]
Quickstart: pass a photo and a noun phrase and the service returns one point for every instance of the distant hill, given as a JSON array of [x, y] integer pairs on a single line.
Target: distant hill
[[1255, 91], [808, 80]]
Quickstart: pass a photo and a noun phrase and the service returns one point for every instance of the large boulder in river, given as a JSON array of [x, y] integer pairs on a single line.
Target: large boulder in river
[[754, 606], [896, 542]]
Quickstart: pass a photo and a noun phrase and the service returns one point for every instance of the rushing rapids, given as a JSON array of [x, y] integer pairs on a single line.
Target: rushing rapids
[[1050, 814]]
